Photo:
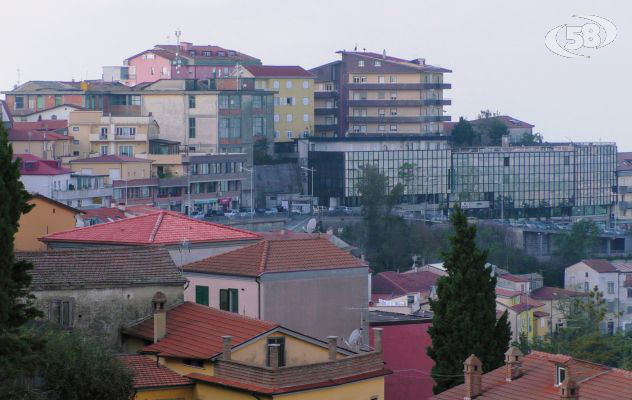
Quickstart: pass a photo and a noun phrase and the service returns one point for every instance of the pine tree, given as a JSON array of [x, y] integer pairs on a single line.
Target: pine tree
[[464, 319], [17, 351]]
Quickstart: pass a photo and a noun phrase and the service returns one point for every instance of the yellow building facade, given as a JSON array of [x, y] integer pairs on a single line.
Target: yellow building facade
[[114, 167]]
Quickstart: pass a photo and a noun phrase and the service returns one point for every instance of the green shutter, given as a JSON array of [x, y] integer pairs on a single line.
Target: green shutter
[[234, 301], [223, 300], [201, 295]]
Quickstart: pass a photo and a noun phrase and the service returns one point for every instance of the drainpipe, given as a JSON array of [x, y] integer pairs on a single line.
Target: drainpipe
[[258, 280]]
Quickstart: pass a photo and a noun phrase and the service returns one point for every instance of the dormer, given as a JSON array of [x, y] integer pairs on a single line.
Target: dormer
[[561, 372]]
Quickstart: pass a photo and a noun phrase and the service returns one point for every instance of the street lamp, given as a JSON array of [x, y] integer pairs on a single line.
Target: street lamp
[[252, 190], [312, 170]]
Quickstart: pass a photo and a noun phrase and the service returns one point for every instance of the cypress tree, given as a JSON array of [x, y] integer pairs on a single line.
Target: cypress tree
[[18, 350], [464, 320]]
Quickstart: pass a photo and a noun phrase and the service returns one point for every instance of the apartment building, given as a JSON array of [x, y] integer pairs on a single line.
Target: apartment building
[[614, 281], [623, 209], [293, 99], [46, 145], [367, 93], [186, 61]]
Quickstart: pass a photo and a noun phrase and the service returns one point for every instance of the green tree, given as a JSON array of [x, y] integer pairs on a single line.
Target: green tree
[[260, 152], [464, 320], [578, 244], [491, 131], [18, 352], [531, 139], [463, 134]]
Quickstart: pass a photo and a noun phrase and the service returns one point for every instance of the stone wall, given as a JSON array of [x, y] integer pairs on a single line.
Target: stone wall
[[100, 313]]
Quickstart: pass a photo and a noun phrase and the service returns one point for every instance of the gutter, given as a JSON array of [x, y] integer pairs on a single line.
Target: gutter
[[258, 280]]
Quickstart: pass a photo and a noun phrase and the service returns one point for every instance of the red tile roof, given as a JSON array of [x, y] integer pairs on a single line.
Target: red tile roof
[[270, 256], [514, 278], [281, 71], [195, 331], [110, 158], [600, 265], [596, 382], [553, 293], [137, 210], [507, 292], [43, 125], [149, 374], [33, 165], [16, 135], [394, 283], [164, 227]]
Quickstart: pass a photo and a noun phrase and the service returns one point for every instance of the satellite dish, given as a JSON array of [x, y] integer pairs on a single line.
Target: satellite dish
[[311, 225], [354, 339]]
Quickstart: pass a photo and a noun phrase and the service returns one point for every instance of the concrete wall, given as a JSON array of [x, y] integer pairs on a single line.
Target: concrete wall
[[278, 178], [45, 184], [48, 150], [317, 303], [248, 290], [100, 313]]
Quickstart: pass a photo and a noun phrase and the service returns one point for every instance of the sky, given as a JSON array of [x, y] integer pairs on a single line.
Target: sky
[[496, 49]]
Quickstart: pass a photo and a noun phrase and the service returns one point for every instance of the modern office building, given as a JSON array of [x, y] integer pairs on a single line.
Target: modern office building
[[367, 93], [549, 180]]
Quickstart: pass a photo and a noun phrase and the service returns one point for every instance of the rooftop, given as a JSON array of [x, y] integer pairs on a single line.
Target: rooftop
[[195, 331], [104, 214], [280, 255], [42, 125], [416, 63], [33, 165], [553, 293], [163, 227], [18, 135], [600, 266], [596, 382], [110, 158], [395, 283], [95, 268], [278, 71], [150, 374], [96, 85]]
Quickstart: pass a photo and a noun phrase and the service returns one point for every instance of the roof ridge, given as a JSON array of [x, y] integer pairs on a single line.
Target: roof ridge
[[92, 226], [152, 235], [264, 257], [393, 282]]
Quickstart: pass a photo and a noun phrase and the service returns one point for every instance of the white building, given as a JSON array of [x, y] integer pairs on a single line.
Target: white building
[[42, 176], [612, 279]]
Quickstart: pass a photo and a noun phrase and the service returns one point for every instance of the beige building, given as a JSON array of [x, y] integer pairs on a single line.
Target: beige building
[[114, 167], [293, 101], [45, 145], [623, 208]]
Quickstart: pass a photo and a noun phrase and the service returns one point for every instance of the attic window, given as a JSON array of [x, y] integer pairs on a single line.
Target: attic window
[[206, 53], [192, 52], [221, 53], [231, 53], [560, 375]]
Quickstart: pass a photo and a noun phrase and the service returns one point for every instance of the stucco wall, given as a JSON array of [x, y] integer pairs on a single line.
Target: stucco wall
[[100, 313], [317, 303], [42, 220], [248, 291]]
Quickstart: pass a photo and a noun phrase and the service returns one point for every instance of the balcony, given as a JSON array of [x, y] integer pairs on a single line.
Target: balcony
[[326, 111], [326, 95], [66, 195], [399, 103], [387, 119], [139, 137], [399, 86], [325, 127]]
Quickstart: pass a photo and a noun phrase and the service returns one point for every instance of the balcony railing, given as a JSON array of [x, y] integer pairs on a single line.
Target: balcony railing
[[326, 95], [325, 127], [326, 111], [65, 195], [398, 119], [399, 86], [399, 103]]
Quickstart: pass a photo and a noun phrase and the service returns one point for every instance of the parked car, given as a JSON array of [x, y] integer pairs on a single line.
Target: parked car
[[214, 213], [271, 211], [197, 215], [231, 213], [260, 210], [340, 210], [245, 211]]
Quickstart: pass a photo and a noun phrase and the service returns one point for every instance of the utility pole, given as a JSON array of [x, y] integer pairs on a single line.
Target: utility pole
[[252, 190], [312, 170]]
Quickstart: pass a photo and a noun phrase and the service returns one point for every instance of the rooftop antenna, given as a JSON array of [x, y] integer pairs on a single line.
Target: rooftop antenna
[[18, 82], [178, 61], [356, 47], [185, 246]]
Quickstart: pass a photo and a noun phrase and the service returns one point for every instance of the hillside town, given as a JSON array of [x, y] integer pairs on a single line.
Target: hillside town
[[192, 222]]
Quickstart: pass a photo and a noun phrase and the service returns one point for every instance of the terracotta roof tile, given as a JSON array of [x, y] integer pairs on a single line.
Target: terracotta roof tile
[[104, 214], [394, 283], [110, 158], [163, 227], [195, 331], [596, 382], [17, 135], [600, 265], [33, 165], [278, 256], [514, 278], [506, 292], [95, 268], [280, 71], [553, 293], [42, 125], [149, 374]]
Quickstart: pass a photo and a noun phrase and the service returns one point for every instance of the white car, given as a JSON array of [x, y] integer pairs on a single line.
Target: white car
[[231, 213]]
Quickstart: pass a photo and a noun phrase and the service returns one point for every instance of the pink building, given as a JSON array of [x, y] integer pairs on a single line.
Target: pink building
[[195, 62]]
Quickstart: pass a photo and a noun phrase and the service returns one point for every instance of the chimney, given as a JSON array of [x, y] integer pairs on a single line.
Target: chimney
[[384, 54], [513, 363], [160, 316], [332, 343], [377, 339], [569, 390], [505, 141], [226, 354], [274, 355], [186, 45], [473, 373]]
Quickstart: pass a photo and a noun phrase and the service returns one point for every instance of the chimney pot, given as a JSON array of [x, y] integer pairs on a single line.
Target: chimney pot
[[473, 376], [274, 355], [377, 339], [569, 390], [332, 343], [513, 363], [226, 354], [160, 316]]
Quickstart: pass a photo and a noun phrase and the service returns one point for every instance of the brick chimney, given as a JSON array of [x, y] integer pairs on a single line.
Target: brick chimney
[[569, 390], [274, 355], [377, 339], [513, 362], [332, 344], [226, 353], [160, 316], [473, 376]]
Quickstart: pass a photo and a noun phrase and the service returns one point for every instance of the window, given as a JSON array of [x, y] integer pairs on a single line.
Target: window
[[393, 111], [258, 126], [305, 101], [393, 79], [289, 101], [289, 118], [19, 102], [229, 300], [393, 128], [381, 112], [206, 53], [381, 95], [276, 118], [256, 101], [40, 102], [165, 72], [360, 63], [288, 84], [380, 79], [359, 79], [201, 295], [560, 375], [58, 99], [610, 287], [281, 342], [378, 63], [586, 289], [126, 131], [152, 71], [381, 128], [305, 84], [191, 101], [356, 128], [393, 95], [126, 150], [275, 84], [104, 133], [305, 117], [223, 102], [329, 87], [629, 292], [104, 150], [61, 312], [506, 161], [191, 128], [193, 362], [289, 134]]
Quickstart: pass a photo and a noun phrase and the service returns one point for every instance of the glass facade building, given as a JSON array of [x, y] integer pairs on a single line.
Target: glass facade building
[[513, 182]]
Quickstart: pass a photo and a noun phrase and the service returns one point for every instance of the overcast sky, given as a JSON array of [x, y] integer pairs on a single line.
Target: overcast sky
[[495, 48]]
